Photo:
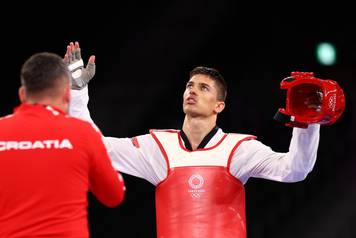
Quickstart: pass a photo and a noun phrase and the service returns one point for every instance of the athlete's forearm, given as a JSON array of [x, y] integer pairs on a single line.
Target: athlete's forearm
[[254, 159], [79, 105]]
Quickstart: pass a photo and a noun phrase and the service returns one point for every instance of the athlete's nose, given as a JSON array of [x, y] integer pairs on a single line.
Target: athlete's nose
[[192, 91]]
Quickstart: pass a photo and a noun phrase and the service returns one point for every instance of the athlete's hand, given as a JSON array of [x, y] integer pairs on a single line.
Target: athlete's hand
[[80, 75]]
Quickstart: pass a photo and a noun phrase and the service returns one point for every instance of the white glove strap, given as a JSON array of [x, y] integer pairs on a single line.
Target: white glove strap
[[76, 74], [76, 65]]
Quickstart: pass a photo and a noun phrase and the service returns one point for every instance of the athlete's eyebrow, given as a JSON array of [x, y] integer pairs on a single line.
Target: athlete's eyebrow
[[204, 84], [189, 83]]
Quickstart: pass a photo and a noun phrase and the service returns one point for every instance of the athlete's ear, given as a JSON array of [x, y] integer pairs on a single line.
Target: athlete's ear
[[66, 95], [219, 107], [22, 94], [66, 98]]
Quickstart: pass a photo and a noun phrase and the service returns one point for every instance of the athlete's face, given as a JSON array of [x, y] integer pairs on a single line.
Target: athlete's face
[[200, 97]]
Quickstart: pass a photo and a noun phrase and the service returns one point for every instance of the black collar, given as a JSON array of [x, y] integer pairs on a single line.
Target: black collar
[[203, 143]]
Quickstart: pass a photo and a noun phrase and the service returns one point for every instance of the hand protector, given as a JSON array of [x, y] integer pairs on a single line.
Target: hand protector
[[310, 100], [80, 75]]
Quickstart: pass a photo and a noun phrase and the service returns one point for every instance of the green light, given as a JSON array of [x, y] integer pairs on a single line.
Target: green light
[[326, 53]]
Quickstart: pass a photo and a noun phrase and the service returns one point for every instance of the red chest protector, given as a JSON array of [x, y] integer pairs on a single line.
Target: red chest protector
[[199, 197]]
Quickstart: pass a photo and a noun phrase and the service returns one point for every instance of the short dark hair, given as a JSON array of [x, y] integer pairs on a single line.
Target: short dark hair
[[214, 75], [43, 71]]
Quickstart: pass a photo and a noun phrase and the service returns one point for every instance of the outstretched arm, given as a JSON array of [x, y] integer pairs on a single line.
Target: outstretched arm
[[254, 159], [80, 77], [139, 156]]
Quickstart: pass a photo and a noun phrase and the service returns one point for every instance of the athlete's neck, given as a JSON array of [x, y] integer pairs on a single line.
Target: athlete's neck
[[197, 128]]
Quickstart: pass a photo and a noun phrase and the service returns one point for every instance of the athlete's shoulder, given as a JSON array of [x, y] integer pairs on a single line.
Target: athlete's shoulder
[[164, 131], [241, 136]]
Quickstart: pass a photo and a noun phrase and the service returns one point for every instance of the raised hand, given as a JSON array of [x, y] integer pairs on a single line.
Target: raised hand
[[80, 75]]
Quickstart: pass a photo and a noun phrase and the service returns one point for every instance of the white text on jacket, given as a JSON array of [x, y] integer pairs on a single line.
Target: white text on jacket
[[38, 144]]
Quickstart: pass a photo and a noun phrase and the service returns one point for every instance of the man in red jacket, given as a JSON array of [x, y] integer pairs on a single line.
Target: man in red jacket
[[49, 160]]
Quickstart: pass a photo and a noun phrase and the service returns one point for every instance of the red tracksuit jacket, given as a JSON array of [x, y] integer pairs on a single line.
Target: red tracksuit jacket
[[48, 163]]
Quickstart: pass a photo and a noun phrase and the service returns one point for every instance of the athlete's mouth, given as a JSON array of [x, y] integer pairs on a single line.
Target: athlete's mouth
[[191, 100]]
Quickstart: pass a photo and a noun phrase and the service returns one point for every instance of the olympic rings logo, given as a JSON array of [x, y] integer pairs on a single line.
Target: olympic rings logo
[[332, 102]]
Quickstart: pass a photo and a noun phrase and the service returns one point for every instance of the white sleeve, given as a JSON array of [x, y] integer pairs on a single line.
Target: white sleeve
[[142, 158], [254, 159], [145, 161], [78, 106]]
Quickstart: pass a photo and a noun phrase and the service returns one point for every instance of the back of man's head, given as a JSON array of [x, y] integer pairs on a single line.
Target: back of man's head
[[44, 75]]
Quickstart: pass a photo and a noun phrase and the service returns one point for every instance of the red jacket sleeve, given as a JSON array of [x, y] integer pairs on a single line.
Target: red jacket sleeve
[[106, 184]]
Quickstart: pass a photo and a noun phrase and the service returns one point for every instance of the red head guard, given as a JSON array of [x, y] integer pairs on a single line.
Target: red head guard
[[310, 100]]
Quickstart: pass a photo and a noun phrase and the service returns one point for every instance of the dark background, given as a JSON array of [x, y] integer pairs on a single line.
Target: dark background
[[144, 53]]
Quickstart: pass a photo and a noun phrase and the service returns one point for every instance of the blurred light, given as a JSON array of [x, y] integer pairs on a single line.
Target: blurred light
[[326, 53]]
